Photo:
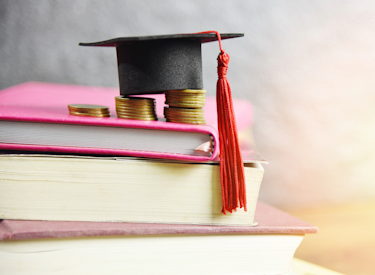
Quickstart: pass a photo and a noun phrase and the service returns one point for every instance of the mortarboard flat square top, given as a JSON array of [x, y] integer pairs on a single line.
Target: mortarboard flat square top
[[154, 64]]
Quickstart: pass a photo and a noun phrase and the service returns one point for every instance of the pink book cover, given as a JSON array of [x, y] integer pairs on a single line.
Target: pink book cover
[[47, 102], [270, 221]]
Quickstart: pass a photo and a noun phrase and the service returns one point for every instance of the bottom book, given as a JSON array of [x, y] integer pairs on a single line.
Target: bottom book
[[52, 247]]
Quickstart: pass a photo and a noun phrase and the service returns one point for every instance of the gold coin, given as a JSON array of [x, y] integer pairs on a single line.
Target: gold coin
[[87, 114], [89, 110], [197, 123], [187, 91], [187, 122], [136, 118], [146, 102], [184, 104], [140, 117], [173, 110], [194, 96], [135, 104], [187, 97], [135, 100], [181, 102], [136, 115], [88, 107], [185, 100], [182, 114], [135, 110], [185, 117]]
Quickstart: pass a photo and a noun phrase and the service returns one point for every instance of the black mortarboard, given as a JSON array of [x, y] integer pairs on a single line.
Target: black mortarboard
[[154, 64]]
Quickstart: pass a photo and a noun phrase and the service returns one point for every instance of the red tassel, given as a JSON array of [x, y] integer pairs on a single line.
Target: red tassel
[[231, 165]]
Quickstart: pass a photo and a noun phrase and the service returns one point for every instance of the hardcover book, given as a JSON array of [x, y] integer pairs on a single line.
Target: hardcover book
[[47, 247], [121, 189], [34, 117]]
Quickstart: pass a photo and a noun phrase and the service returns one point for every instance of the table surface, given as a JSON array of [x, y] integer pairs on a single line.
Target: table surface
[[305, 268], [346, 238]]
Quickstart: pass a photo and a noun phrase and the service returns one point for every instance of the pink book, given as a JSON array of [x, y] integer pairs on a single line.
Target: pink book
[[34, 117], [270, 221], [46, 247]]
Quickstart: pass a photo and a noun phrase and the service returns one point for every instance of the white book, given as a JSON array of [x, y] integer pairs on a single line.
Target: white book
[[71, 188]]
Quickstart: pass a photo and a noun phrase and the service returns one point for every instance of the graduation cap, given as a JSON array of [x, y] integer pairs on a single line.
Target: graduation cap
[[155, 64]]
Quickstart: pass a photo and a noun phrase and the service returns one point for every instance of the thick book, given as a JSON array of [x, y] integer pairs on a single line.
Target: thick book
[[34, 117], [47, 247], [120, 189]]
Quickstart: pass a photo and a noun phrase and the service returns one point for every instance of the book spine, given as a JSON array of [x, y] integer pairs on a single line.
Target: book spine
[[4, 233]]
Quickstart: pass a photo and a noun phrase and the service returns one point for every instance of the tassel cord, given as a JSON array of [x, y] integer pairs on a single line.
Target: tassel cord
[[236, 172], [231, 164]]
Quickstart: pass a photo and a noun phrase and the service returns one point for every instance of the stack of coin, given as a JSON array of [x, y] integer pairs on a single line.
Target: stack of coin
[[185, 106], [186, 98], [88, 110], [184, 115], [139, 108]]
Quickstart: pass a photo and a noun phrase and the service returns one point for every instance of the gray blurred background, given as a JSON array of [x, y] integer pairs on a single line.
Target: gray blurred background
[[308, 67]]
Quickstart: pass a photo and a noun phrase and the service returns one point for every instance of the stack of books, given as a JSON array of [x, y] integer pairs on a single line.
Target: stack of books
[[103, 195]]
